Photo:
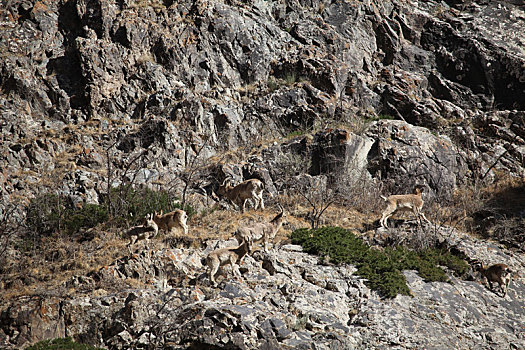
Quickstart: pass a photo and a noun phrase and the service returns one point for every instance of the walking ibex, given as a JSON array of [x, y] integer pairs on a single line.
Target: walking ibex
[[264, 231], [499, 273], [224, 256], [238, 195], [403, 202]]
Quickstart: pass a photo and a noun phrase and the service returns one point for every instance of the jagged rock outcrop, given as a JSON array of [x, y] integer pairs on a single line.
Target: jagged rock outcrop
[[94, 94], [404, 156], [285, 298], [225, 74]]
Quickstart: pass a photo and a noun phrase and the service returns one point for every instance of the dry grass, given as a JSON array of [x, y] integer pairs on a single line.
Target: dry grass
[[55, 260], [504, 198]]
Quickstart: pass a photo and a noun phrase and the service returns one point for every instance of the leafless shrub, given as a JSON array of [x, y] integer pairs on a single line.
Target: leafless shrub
[[317, 194], [415, 236], [510, 231], [11, 219], [362, 193]]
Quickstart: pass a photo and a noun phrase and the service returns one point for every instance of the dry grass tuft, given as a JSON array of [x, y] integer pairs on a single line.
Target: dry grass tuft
[[54, 260]]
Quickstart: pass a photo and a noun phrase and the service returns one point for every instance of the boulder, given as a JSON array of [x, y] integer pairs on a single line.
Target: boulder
[[405, 155]]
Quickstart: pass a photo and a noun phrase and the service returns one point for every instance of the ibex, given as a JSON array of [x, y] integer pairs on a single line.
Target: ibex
[[169, 221], [149, 230], [499, 273], [261, 231], [403, 202], [238, 195], [224, 256]]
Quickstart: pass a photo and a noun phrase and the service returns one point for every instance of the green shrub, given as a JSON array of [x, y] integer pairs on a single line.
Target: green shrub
[[272, 84], [60, 344], [50, 213], [129, 206], [382, 269], [90, 215], [295, 133]]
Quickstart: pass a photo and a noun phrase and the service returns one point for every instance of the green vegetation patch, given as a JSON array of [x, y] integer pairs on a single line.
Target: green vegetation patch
[[123, 206], [60, 344], [51, 213], [129, 206], [381, 268]]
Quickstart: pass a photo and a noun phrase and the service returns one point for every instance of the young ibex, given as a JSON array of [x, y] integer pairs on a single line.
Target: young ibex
[[169, 221], [149, 230], [261, 231], [224, 256], [499, 273], [403, 202], [238, 195]]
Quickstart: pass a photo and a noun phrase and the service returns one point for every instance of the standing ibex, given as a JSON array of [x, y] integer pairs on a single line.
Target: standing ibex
[[224, 256], [499, 273], [403, 202], [149, 230], [169, 221], [238, 195], [261, 231]]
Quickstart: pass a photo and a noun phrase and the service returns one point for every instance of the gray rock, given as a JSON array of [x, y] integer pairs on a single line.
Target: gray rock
[[404, 156]]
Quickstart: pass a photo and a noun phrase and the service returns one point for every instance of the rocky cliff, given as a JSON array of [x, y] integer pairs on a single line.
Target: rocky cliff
[[178, 95]]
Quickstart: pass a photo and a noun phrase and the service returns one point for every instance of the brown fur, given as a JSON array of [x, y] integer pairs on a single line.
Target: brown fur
[[499, 273], [403, 202], [224, 256], [238, 195], [261, 231], [170, 221], [143, 232]]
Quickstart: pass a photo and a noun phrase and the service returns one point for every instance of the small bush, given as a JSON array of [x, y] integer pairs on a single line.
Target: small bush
[[60, 344], [50, 213], [382, 269], [510, 232], [295, 133], [187, 208], [129, 206], [124, 206], [90, 215], [272, 84]]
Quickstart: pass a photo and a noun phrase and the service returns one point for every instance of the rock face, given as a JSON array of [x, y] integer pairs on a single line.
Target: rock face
[[406, 156], [99, 93], [89, 85], [285, 299]]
